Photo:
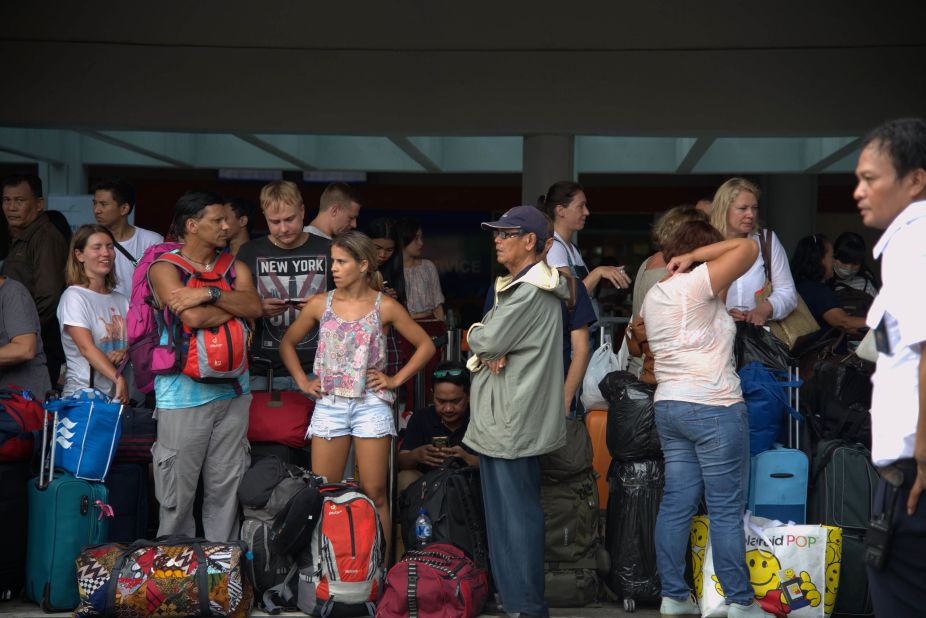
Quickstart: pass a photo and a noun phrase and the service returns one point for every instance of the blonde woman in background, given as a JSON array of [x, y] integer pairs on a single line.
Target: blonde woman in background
[[736, 215]]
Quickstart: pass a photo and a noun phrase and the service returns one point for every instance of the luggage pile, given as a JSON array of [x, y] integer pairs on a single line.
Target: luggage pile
[[449, 574], [817, 471], [636, 480]]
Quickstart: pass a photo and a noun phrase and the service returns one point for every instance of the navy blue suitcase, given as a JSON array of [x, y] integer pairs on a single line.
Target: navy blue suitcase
[[128, 496]]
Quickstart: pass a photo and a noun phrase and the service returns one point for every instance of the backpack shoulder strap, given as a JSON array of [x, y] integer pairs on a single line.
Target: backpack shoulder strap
[[765, 247], [177, 260], [223, 263], [125, 252]]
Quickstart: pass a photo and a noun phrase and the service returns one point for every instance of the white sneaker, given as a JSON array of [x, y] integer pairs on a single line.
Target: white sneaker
[[747, 611], [671, 607]]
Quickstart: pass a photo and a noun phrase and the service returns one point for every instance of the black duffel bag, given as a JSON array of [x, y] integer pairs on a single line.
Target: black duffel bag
[[631, 431]]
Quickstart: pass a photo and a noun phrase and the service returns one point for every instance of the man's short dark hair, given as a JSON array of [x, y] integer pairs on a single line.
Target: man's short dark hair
[[34, 182], [243, 208], [191, 206], [904, 141], [339, 193], [452, 372], [123, 191]]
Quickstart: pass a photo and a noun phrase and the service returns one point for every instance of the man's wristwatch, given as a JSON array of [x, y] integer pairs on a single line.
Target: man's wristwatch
[[214, 294]]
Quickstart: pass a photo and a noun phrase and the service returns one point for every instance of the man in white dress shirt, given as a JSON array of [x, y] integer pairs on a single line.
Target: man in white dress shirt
[[891, 195]]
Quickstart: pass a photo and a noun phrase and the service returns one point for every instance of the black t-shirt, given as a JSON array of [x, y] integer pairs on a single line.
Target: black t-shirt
[[425, 425], [286, 273]]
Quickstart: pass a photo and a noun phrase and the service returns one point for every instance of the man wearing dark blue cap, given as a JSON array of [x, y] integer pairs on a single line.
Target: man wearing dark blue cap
[[517, 404]]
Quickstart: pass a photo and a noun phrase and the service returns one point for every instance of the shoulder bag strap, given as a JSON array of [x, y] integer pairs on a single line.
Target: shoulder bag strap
[[125, 252], [765, 246]]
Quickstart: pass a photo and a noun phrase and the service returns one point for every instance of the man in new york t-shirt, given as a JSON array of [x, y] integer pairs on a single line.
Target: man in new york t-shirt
[[288, 266]]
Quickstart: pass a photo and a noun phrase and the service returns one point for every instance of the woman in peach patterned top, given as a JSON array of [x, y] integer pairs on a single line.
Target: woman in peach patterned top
[[353, 394]]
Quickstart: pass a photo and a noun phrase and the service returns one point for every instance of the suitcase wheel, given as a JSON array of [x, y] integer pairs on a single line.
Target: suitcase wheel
[[630, 606]]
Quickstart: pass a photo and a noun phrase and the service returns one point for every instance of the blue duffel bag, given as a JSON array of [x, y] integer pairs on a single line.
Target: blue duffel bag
[[87, 432], [766, 397]]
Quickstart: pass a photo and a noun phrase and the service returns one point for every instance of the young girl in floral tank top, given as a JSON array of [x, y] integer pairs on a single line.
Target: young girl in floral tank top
[[353, 394]]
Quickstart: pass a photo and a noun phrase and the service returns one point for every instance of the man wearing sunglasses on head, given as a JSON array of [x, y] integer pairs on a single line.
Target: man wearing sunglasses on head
[[436, 432]]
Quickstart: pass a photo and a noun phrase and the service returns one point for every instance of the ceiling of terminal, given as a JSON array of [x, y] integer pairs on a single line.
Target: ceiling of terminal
[[258, 151], [661, 87]]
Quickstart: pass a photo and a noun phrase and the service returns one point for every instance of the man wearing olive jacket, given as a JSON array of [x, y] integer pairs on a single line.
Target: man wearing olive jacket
[[517, 404]]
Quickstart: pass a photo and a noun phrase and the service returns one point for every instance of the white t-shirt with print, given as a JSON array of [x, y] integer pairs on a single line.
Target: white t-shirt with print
[[136, 245], [104, 316]]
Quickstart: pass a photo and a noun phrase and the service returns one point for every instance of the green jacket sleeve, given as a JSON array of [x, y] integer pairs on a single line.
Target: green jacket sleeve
[[506, 325]]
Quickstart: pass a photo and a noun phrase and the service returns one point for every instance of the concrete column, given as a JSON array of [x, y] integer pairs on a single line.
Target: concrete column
[[789, 206], [547, 159], [70, 176]]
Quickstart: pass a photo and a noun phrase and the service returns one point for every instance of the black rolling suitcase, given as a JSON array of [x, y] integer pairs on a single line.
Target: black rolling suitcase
[[128, 495], [14, 514]]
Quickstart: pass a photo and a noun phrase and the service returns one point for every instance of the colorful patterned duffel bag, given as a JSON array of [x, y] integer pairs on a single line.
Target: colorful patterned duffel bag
[[173, 576]]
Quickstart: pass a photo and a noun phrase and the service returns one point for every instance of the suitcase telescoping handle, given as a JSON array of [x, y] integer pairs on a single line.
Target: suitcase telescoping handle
[[266, 363], [49, 465]]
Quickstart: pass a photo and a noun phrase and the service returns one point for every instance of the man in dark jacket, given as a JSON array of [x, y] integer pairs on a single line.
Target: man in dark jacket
[[36, 258]]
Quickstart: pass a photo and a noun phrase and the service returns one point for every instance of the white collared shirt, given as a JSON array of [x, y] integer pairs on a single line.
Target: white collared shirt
[[901, 304]]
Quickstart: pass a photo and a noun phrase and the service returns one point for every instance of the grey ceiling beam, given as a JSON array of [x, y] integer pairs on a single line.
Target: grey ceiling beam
[[406, 146], [833, 157], [694, 154], [36, 144], [269, 148], [127, 145]]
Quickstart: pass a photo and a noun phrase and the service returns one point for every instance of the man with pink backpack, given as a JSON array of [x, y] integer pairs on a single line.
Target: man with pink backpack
[[202, 296]]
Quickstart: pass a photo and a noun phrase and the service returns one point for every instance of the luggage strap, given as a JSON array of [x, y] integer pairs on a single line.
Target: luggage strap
[[202, 573], [412, 592]]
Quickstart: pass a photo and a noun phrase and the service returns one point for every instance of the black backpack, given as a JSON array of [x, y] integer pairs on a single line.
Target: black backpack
[[452, 496], [836, 401], [854, 302]]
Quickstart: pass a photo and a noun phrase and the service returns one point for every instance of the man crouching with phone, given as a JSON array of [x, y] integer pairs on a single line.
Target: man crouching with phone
[[436, 432]]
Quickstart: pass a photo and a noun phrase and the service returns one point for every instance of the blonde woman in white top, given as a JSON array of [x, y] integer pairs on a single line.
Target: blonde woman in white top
[[735, 213]]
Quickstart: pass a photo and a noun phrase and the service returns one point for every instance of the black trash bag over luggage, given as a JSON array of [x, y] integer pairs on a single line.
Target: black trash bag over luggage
[[754, 343], [631, 431], [836, 401], [630, 536]]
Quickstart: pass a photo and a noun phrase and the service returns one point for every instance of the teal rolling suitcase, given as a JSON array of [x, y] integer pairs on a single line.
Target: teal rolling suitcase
[[65, 514]]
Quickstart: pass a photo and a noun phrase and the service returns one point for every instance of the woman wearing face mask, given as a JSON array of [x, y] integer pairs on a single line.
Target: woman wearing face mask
[[735, 215], [849, 265], [812, 267]]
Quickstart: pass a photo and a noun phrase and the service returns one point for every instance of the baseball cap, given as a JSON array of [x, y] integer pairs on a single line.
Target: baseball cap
[[526, 218]]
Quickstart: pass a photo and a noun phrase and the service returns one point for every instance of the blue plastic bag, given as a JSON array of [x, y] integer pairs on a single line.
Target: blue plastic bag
[[767, 402], [87, 432]]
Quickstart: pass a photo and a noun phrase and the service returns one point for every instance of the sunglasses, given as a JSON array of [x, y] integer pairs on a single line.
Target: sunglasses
[[505, 235], [444, 373]]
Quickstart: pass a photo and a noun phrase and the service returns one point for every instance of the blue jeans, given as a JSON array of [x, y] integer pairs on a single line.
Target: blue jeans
[[706, 450], [514, 522]]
